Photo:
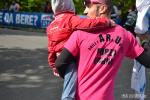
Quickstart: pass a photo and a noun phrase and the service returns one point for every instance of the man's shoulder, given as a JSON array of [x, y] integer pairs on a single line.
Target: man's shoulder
[[115, 28], [80, 32], [119, 28]]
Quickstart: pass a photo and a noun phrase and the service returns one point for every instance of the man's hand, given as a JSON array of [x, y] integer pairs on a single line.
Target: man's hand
[[145, 56], [143, 37], [146, 46]]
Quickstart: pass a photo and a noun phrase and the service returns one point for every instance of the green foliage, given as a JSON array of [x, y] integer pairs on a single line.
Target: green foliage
[[32, 5], [26, 5], [125, 4], [79, 6], [38, 5]]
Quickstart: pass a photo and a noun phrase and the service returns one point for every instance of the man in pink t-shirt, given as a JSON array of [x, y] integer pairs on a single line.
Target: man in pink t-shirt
[[100, 55]]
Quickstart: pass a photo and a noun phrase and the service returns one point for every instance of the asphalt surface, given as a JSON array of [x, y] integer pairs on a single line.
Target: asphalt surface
[[24, 72]]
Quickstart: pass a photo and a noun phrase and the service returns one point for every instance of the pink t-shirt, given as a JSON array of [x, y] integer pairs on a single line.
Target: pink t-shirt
[[100, 56]]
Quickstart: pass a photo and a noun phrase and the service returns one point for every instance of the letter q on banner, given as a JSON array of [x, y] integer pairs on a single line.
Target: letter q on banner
[[8, 18]]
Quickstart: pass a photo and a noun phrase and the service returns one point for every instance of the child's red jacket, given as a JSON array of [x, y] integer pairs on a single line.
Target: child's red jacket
[[62, 27]]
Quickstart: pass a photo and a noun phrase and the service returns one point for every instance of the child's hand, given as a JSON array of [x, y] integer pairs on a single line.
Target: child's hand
[[112, 23], [55, 72]]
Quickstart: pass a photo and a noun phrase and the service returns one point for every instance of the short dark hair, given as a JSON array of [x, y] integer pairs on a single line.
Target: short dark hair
[[109, 4]]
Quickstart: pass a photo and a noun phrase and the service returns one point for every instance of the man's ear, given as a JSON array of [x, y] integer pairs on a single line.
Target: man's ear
[[102, 9]]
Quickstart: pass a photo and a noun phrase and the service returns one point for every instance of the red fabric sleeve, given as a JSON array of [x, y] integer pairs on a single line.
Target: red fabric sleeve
[[78, 23], [51, 59], [51, 54]]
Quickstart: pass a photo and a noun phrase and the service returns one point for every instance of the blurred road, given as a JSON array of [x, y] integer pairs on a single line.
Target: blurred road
[[24, 72]]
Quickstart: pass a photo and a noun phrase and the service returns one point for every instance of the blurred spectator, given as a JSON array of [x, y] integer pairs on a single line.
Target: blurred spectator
[[14, 7], [131, 19], [47, 7], [115, 14]]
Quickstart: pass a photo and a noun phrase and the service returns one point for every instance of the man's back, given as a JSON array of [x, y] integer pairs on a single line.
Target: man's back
[[101, 55]]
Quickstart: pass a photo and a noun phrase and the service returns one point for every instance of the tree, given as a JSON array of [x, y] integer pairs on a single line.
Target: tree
[[79, 5], [32, 5], [37, 5]]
